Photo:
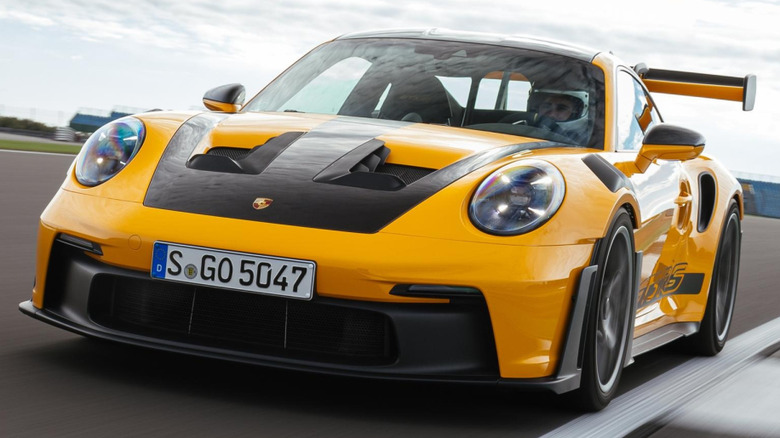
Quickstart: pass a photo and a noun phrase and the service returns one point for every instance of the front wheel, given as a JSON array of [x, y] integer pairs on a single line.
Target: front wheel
[[609, 322], [714, 329]]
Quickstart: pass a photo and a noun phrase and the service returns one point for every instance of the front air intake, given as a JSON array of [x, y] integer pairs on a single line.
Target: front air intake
[[247, 322]]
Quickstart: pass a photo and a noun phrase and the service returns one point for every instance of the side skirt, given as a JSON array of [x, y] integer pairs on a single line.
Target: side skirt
[[663, 336]]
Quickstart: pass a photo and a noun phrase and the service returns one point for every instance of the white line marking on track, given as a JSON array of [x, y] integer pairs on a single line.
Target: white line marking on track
[[667, 394]]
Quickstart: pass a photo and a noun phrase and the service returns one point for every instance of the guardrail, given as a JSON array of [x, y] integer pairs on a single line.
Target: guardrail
[[762, 198]]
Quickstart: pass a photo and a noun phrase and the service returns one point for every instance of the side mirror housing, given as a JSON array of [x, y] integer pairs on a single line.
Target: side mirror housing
[[669, 142], [227, 98]]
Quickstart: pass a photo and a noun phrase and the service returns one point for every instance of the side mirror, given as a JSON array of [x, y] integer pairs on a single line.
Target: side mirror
[[227, 98], [669, 142]]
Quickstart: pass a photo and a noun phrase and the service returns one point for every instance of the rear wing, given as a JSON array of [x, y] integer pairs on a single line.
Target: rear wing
[[700, 85]]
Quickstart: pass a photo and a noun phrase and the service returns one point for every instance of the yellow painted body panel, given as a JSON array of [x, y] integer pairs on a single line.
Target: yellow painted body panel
[[688, 245]]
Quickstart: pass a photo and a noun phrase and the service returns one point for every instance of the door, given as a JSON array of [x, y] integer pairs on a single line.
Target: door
[[664, 196]]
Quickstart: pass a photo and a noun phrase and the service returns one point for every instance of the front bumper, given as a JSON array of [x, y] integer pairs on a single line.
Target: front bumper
[[516, 329], [451, 341]]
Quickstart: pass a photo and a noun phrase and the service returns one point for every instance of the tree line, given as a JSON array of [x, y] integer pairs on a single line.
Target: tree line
[[26, 124]]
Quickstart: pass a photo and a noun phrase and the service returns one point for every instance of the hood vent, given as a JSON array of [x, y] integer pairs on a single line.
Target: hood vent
[[235, 154], [407, 174], [237, 160], [365, 167]]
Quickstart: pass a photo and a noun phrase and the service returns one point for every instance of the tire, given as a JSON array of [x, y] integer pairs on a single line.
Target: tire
[[609, 322], [715, 325]]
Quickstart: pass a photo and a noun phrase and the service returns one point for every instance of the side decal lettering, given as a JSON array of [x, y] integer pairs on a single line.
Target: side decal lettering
[[669, 280]]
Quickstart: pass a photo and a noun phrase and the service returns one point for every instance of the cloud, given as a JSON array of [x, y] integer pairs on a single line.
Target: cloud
[[696, 34], [26, 18], [237, 29]]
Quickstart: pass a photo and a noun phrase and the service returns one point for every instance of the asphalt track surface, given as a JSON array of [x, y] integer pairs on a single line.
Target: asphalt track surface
[[57, 384]]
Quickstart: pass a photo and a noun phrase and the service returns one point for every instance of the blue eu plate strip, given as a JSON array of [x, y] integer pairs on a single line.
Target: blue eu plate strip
[[159, 260]]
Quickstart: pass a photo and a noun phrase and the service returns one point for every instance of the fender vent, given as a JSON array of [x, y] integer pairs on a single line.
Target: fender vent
[[707, 193], [612, 178]]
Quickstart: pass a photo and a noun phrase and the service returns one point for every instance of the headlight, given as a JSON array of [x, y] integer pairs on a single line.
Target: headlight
[[108, 150], [517, 198]]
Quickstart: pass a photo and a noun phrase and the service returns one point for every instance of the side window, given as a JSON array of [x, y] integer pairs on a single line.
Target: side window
[[326, 93], [514, 95], [458, 87], [517, 95], [635, 113], [487, 93]]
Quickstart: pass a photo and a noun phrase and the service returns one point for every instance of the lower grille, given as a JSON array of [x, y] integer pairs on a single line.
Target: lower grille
[[242, 321]]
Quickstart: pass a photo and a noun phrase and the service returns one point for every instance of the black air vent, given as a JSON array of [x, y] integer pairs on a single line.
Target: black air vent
[[232, 153], [407, 174], [247, 322], [237, 160], [372, 160], [365, 167], [707, 198]]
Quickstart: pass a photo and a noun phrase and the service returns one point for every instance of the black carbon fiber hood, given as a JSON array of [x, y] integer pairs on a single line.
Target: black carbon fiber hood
[[323, 178]]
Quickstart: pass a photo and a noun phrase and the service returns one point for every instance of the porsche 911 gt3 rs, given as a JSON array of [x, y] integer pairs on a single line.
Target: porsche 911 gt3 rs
[[421, 205]]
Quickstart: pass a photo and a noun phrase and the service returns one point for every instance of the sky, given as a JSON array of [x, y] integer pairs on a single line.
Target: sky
[[59, 56]]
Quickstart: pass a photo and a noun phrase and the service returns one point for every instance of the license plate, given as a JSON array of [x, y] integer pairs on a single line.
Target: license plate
[[234, 270]]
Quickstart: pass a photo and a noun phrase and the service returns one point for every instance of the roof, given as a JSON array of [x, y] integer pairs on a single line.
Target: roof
[[518, 41]]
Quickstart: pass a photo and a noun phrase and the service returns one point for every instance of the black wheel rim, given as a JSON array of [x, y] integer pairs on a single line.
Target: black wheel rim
[[726, 277], [612, 319]]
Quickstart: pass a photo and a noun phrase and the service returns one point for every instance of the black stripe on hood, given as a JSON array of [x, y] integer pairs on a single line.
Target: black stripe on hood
[[289, 179]]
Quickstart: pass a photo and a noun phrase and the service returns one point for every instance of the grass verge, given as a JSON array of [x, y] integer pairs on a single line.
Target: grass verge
[[39, 147]]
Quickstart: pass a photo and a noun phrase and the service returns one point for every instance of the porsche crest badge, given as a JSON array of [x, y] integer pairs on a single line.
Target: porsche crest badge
[[261, 203]]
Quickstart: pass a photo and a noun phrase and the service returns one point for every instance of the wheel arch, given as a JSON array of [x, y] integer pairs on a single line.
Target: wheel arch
[[627, 201], [572, 355], [739, 197]]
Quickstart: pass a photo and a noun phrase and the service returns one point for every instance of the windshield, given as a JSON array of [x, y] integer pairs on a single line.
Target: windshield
[[477, 86]]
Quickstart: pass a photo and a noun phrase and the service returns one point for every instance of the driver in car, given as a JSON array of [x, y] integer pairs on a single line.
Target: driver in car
[[564, 112], [559, 107]]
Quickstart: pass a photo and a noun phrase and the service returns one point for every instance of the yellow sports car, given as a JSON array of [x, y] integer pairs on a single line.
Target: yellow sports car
[[420, 205]]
